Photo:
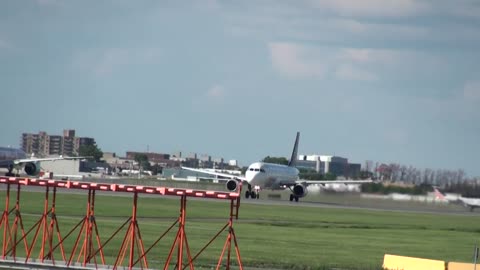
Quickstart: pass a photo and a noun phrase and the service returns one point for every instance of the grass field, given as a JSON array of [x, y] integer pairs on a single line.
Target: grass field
[[286, 237]]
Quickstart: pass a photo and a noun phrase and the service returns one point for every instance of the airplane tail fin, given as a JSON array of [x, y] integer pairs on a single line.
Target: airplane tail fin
[[438, 194], [293, 158]]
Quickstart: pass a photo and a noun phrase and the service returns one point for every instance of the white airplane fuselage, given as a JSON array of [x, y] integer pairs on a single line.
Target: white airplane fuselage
[[470, 202], [8, 153], [269, 175], [467, 202], [274, 176]]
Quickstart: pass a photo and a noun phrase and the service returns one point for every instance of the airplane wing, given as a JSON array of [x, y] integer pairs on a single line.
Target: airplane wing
[[226, 175], [322, 182], [26, 160]]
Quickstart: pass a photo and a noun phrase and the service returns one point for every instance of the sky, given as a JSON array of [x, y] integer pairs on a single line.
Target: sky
[[382, 80]]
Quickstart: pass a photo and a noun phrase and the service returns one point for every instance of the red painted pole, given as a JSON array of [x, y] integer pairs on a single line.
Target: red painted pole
[[181, 239], [41, 223], [97, 235], [5, 223], [111, 237], [86, 240], [232, 235], [50, 229], [228, 243], [133, 239], [142, 253], [156, 242], [44, 224], [181, 235], [132, 233], [18, 219]]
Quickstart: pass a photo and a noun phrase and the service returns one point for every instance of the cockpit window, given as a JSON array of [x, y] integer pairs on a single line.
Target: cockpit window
[[251, 169], [257, 170], [262, 170]]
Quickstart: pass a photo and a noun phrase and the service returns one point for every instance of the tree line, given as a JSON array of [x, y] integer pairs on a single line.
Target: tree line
[[380, 188], [395, 172], [454, 181]]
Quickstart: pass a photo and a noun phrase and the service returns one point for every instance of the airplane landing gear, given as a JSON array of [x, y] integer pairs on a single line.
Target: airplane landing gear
[[250, 193], [10, 171], [293, 197]]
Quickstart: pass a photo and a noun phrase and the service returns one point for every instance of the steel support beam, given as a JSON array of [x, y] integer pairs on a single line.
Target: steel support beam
[[88, 245]]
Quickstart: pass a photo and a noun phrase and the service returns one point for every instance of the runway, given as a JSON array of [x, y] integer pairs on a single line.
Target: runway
[[399, 207]]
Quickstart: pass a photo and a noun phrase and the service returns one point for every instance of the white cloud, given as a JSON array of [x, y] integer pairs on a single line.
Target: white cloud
[[357, 55], [298, 61], [216, 92], [348, 72], [396, 64], [328, 23], [111, 59], [294, 61], [471, 91], [376, 56], [461, 8], [378, 30], [107, 61], [377, 8]]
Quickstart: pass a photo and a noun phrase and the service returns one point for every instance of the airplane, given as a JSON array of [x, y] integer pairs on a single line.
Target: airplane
[[16, 159], [269, 175], [470, 203]]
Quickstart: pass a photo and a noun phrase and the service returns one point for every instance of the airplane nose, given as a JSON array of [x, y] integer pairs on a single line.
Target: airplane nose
[[254, 175], [250, 176]]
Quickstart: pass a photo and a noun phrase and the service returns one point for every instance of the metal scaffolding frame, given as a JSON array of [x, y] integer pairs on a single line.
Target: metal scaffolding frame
[[88, 248]]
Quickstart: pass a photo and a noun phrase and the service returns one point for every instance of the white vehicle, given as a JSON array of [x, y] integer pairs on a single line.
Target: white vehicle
[[269, 175], [16, 159], [470, 203]]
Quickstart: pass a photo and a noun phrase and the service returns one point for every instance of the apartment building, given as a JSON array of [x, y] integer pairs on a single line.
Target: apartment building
[[42, 144]]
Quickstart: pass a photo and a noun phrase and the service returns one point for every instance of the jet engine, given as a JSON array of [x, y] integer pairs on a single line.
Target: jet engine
[[232, 185], [32, 168], [300, 191]]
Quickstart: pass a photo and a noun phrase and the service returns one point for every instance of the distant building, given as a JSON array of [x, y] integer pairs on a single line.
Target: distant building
[[79, 141], [354, 169], [55, 145], [329, 164], [368, 166], [152, 157], [42, 144], [205, 161], [163, 160], [68, 142]]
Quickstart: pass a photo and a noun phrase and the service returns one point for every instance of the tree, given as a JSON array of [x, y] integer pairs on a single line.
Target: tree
[[330, 176], [90, 150], [156, 169], [311, 175], [142, 160], [366, 175], [276, 160]]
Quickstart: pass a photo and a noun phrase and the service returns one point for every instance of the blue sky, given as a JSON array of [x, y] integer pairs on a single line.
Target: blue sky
[[384, 80]]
